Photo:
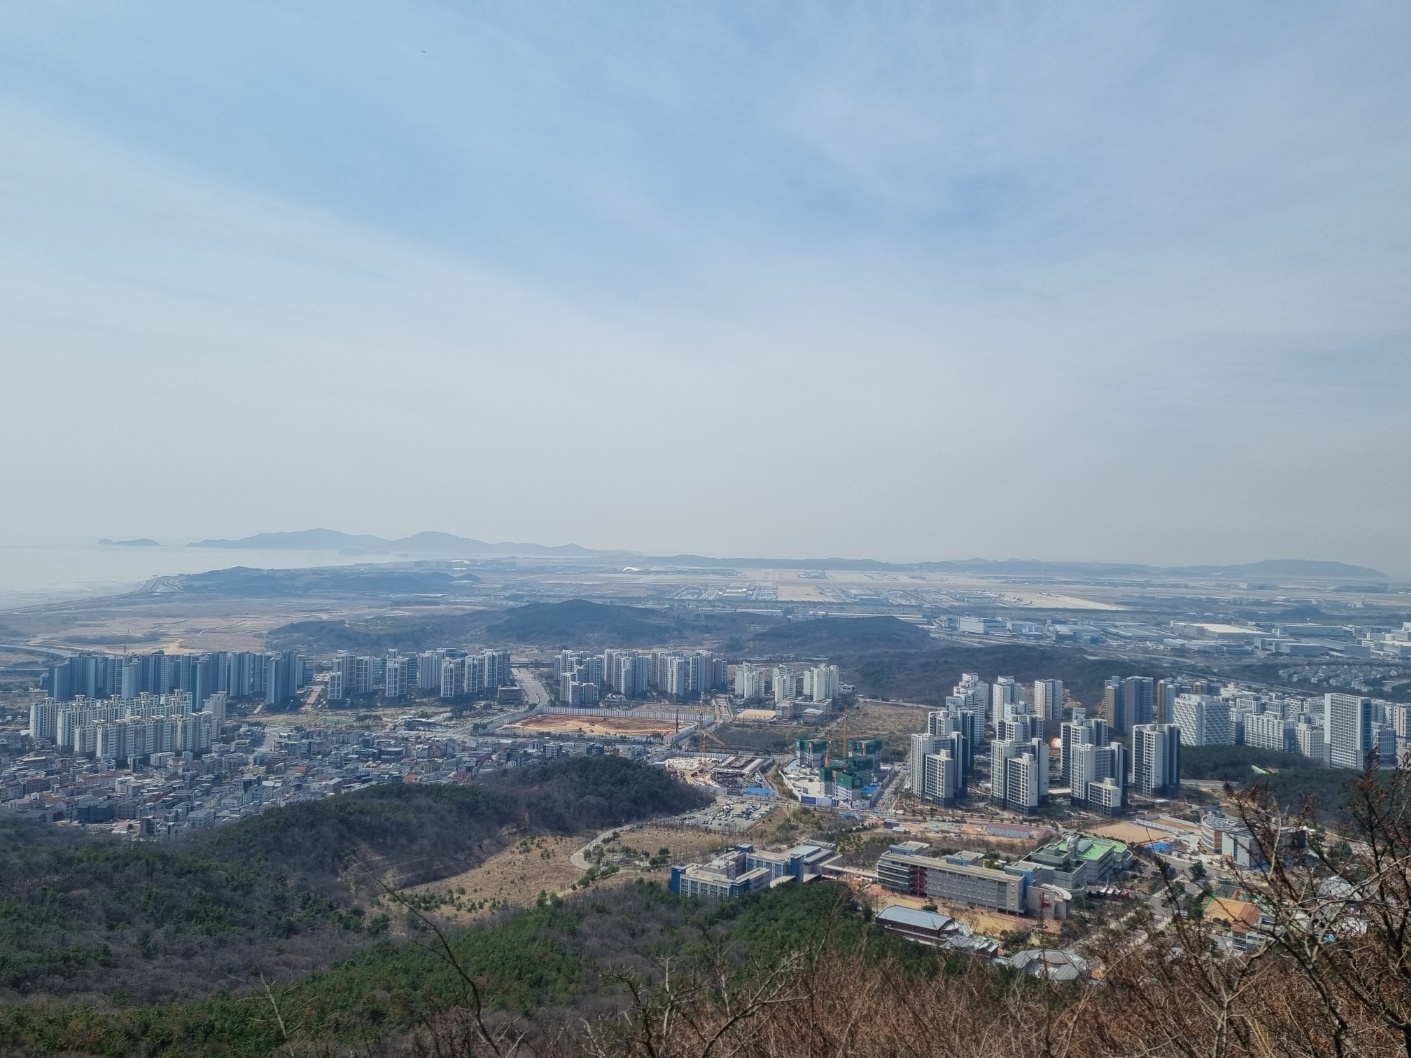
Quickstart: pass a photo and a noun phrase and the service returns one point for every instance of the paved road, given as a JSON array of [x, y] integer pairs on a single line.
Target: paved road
[[895, 781], [43, 651], [534, 692]]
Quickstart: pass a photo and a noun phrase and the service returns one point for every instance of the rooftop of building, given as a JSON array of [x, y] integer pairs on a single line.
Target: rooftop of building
[[1096, 848], [1232, 912], [964, 863], [1216, 820], [1080, 847], [910, 848], [1052, 963], [901, 915]]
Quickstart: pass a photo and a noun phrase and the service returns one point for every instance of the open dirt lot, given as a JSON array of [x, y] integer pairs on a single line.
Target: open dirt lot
[[577, 724], [517, 875], [893, 724], [997, 923], [175, 623], [1135, 833]]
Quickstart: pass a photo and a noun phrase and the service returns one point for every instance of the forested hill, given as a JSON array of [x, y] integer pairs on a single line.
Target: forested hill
[[588, 793], [581, 623], [416, 831], [575, 623], [287, 890], [578, 621], [425, 832], [835, 636], [549, 967]]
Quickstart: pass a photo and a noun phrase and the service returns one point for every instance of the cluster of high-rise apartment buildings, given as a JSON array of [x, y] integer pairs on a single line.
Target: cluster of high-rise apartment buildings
[[445, 672], [1098, 768], [943, 757], [273, 676], [1339, 730], [786, 683], [126, 730], [1095, 767], [1134, 741], [583, 678], [278, 676]]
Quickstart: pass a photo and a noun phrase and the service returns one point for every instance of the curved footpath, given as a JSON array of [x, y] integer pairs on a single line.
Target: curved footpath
[[580, 858]]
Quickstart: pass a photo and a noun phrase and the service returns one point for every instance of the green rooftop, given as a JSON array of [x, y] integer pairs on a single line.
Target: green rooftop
[[1097, 848]]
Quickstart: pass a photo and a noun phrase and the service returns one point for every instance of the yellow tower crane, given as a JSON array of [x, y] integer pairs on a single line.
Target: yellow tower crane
[[701, 735]]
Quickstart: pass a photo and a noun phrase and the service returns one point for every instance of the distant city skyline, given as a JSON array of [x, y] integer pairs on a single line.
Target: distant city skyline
[[1130, 283]]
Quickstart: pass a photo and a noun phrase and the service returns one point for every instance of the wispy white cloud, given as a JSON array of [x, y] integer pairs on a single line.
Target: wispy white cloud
[[1125, 281]]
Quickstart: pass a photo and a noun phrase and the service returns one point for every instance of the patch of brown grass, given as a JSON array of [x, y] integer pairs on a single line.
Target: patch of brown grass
[[517, 875]]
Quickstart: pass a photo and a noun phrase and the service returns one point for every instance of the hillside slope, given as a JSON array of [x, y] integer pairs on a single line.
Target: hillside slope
[[377, 635], [831, 636], [288, 890], [580, 623], [563, 958], [928, 675]]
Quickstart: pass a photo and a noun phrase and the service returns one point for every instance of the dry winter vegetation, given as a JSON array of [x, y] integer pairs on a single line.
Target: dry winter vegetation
[[1331, 976], [542, 864], [632, 971]]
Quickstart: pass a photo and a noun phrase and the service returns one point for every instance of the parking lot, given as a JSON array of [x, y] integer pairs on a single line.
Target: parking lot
[[728, 815]]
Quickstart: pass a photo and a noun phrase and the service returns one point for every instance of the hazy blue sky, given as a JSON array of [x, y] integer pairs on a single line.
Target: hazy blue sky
[[1109, 281]]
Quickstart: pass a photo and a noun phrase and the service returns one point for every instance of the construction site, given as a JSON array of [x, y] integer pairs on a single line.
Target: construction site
[[740, 773], [651, 724], [592, 726]]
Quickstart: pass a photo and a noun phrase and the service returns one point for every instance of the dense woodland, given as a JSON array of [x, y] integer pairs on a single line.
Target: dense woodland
[[288, 891], [533, 966], [804, 972], [574, 623], [377, 635], [1291, 779], [826, 637], [927, 675], [637, 972]]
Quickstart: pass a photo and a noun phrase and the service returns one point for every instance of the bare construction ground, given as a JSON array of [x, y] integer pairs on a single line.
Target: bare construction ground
[[578, 724], [894, 724], [176, 622]]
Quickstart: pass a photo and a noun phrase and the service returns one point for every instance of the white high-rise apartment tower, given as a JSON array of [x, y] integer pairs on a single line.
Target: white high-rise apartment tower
[[1347, 725], [825, 682], [1048, 699], [1003, 692], [1156, 759], [749, 682], [922, 746]]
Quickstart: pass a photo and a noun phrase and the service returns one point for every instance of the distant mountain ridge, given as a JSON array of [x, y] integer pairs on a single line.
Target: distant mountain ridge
[[426, 543], [434, 543]]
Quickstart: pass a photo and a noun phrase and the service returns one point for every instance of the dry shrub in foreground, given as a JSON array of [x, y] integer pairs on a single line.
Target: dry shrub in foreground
[[1333, 978]]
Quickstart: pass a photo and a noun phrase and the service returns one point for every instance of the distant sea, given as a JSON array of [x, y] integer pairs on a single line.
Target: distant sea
[[31, 574]]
